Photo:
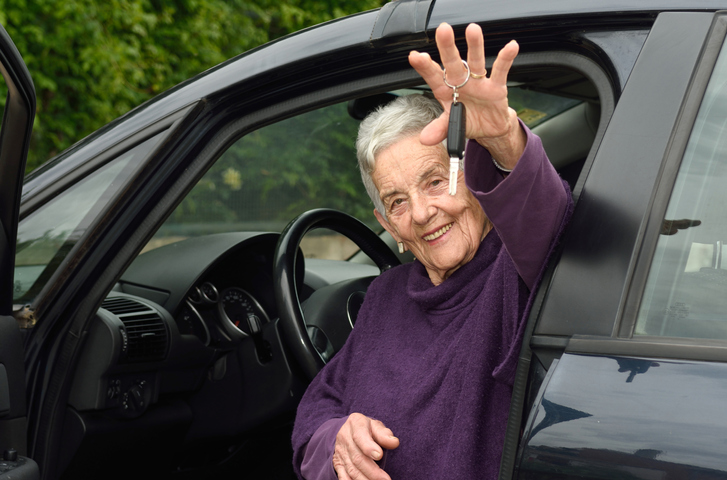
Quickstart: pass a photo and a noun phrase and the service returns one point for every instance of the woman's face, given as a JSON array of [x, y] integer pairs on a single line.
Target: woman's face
[[443, 231]]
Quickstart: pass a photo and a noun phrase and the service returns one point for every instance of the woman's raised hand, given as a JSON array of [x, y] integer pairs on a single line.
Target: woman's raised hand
[[490, 120], [360, 443]]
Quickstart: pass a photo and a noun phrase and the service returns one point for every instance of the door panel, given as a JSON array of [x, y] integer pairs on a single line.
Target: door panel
[[13, 421], [627, 417], [12, 387]]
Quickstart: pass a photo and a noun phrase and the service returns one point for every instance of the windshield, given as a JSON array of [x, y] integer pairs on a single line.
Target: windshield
[[47, 235]]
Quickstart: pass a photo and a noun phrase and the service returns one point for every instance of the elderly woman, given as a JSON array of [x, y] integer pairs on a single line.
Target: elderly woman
[[422, 388]]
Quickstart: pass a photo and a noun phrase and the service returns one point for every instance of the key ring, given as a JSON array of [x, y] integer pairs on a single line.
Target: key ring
[[466, 79]]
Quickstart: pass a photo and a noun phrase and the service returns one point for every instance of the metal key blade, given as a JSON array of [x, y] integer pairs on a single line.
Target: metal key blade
[[453, 172], [455, 142]]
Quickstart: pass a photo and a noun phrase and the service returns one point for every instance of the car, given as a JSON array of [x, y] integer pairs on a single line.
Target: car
[[152, 283]]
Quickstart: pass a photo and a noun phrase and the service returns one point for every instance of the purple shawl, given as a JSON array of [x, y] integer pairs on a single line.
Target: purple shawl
[[436, 364]]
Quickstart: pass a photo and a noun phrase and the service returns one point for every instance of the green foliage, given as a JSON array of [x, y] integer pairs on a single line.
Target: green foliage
[[92, 61], [276, 173]]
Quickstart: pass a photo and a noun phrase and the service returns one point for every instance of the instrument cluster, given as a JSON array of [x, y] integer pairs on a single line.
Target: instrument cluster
[[232, 313]]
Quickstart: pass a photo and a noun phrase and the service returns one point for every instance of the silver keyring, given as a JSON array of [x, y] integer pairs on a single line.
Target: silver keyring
[[466, 79]]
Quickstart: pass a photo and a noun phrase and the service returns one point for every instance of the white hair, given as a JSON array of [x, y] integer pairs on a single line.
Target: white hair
[[395, 121]]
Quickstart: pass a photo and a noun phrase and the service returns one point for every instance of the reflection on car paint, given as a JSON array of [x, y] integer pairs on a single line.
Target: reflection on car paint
[[623, 417]]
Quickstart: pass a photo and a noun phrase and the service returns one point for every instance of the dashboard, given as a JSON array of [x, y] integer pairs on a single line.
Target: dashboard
[[189, 341]]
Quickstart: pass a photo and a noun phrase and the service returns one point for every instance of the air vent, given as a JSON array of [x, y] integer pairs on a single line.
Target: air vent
[[145, 329]]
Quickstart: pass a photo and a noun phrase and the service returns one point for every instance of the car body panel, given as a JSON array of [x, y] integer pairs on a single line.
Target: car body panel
[[627, 417]]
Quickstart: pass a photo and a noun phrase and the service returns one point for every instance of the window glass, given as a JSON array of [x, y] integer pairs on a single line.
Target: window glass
[[47, 235], [274, 174], [686, 291]]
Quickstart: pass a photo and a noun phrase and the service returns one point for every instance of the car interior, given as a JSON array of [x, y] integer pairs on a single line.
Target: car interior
[[185, 360]]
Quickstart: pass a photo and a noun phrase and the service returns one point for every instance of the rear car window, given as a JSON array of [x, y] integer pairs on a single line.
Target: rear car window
[[685, 294]]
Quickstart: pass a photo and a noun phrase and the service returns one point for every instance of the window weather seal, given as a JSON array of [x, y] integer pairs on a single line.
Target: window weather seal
[[695, 349]]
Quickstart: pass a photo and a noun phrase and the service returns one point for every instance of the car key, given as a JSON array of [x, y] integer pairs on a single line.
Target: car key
[[455, 142], [456, 129]]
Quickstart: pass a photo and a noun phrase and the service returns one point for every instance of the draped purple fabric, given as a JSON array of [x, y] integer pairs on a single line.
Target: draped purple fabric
[[436, 363]]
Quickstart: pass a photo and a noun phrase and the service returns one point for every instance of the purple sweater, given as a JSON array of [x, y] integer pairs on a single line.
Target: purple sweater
[[436, 364]]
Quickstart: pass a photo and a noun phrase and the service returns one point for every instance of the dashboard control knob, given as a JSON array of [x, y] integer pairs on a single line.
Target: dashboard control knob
[[10, 455]]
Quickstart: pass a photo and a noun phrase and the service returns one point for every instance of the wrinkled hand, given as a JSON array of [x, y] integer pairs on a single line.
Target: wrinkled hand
[[359, 444], [490, 120]]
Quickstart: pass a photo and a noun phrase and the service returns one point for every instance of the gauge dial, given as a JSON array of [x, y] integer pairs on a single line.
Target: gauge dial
[[209, 292], [240, 311], [195, 295], [190, 322]]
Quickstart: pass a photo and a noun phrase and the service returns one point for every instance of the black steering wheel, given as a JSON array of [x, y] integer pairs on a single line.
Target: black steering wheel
[[316, 336]]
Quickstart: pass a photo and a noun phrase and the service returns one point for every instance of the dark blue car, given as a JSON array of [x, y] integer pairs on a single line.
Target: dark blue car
[[156, 324]]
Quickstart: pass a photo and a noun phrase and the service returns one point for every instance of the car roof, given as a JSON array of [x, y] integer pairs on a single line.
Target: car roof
[[463, 11], [327, 39]]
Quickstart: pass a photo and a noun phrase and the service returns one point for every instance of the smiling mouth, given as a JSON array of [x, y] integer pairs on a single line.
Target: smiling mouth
[[438, 233]]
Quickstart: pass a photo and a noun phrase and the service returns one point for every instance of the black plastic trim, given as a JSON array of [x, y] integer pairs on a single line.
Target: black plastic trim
[[402, 22]]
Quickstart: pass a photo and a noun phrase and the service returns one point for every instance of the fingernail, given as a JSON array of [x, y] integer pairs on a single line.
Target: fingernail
[[376, 455]]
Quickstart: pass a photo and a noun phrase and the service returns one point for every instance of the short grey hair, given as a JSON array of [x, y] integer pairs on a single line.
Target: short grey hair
[[395, 121]]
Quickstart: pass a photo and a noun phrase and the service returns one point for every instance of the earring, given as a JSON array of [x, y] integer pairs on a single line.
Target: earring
[[401, 247]]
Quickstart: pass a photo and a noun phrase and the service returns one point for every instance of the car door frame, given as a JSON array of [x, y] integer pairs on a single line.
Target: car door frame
[[17, 125]]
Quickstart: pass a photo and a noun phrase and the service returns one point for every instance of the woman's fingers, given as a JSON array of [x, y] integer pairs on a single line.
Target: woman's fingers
[[356, 451], [486, 98], [383, 436], [436, 131], [430, 71], [475, 49], [449, 54], [503, 62]]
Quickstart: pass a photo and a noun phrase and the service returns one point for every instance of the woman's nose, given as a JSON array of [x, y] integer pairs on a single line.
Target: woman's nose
[[422, 210]]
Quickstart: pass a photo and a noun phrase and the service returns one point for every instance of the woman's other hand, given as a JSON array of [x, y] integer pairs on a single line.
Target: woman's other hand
[[360, 443], [490, 120]]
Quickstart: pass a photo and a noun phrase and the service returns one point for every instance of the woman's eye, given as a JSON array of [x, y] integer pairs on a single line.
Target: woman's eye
[[396, 205], [436, 183]]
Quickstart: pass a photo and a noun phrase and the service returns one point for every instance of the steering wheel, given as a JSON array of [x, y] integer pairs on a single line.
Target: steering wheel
[[330, 310]]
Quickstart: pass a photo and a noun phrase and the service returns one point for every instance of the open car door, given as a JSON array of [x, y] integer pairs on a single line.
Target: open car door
[[17, 124]]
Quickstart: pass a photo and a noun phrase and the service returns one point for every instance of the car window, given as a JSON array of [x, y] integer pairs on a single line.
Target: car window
[[47, 235], [270, 176], [685, 290]]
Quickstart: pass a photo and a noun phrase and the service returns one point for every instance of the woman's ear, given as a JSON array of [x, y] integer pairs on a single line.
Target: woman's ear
[[387, 226]]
